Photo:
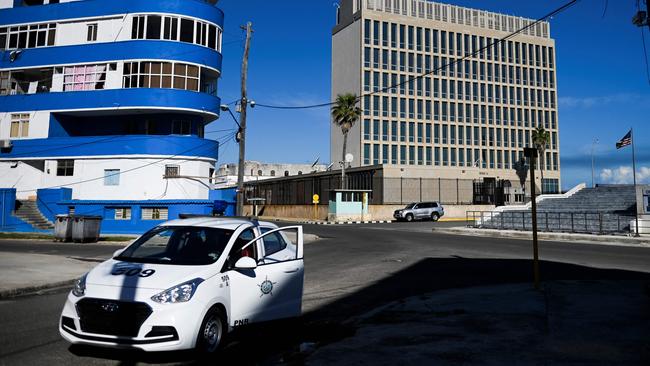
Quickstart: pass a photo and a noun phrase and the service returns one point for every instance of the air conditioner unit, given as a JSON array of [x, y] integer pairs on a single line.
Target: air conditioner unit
[[5, 144]]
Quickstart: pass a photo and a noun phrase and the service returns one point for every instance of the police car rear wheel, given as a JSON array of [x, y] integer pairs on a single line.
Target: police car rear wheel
[[212, 332], [434, 217]]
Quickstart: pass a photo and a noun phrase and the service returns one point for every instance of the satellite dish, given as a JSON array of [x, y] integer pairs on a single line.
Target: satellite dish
[[349, 158]]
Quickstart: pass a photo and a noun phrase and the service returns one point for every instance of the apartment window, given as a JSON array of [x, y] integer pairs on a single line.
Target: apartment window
[[19, 125], [111, 177], [181, 127], [84, 77], [145, 74], [175, 171], [170, 29], [366, 154], [27, 36], [155, 213], [122, 213], [64, 168], [91, 32]]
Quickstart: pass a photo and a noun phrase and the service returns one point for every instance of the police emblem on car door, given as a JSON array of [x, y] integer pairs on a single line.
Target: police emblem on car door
[[273, 289]]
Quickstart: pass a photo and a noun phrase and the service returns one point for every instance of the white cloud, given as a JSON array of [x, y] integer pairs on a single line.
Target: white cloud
[[588, 102], [623, 175]]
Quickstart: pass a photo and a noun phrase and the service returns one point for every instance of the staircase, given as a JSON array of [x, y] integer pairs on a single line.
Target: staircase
[[603, 209], [28, 211]]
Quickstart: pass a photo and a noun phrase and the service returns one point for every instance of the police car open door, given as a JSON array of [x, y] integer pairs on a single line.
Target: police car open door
[[272, 290]]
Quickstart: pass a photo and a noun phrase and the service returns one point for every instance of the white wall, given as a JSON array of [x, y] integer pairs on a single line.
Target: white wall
[[145, 182], [39, 124], [114, 28]]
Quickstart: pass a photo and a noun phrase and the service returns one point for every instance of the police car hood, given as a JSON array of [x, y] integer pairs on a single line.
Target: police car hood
[[145, 275]]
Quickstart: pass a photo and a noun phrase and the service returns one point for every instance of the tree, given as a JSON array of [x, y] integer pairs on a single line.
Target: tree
[[521, 167], [541, 139], [345, 114]]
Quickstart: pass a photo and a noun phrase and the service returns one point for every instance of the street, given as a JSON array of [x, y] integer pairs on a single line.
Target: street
[[351, 270]]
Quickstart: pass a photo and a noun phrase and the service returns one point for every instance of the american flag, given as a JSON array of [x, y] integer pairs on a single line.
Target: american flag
[[626, 140]]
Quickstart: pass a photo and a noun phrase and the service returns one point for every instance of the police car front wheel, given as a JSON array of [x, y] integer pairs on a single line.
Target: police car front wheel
[[213, 329]]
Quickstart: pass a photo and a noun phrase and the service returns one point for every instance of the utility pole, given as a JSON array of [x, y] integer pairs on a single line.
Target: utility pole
[[531, 153], [242, 121]]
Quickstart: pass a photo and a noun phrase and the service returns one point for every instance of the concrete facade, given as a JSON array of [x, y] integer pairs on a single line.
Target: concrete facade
[[442, 95]]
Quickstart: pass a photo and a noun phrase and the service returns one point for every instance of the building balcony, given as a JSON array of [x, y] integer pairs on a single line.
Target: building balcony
[[117, 145], [113, 51], [116, 101], [99, 8]]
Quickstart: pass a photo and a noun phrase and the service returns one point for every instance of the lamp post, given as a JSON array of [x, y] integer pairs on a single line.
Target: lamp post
[[593, 144]]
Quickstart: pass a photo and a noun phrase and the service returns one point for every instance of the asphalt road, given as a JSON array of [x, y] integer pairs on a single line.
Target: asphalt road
[[351, 270]]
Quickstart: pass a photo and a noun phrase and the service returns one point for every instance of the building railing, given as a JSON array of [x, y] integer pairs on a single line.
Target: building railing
[[552, 221]]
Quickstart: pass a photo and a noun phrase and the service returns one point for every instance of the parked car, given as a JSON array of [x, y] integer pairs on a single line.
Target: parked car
[[186, 283], [420, 211]]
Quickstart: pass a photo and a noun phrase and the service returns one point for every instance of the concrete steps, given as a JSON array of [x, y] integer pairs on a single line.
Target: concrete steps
[[603, 209], [28, 211]]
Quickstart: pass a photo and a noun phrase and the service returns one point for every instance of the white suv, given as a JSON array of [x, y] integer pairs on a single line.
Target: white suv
[[186, 283]]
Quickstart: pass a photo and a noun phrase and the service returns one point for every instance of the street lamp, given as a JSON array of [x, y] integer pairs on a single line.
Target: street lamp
[[593, 143], [225, 108]]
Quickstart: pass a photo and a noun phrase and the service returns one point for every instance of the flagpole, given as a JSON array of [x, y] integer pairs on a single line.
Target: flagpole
[[636, 206]]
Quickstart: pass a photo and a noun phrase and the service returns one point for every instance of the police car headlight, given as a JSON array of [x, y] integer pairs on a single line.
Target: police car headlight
[[79, 288], [178, 293]]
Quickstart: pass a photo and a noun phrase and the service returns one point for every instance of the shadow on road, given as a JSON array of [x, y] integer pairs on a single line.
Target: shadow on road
[[287, 341]]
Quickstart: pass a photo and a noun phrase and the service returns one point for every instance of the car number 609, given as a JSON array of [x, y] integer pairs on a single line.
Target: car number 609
[[133, 272]]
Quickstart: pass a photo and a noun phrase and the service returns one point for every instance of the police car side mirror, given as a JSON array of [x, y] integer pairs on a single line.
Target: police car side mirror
[[245, 263], [117, 252]]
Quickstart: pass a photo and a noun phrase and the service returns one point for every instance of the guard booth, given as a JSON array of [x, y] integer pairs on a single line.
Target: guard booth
[[348, 205]]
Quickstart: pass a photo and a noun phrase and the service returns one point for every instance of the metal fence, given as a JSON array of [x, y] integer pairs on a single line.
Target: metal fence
[[445, 191], [299, 190], [552, 221]]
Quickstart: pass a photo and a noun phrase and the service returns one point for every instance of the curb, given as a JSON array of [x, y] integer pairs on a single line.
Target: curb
[[345, 222], [32, 290], [544, 236]]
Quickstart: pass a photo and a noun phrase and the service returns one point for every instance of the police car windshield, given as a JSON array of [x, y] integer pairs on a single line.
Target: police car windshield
[[181, 245]]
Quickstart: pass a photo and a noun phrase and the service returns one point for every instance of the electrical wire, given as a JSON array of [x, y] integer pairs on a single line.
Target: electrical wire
[[128, 170], [645, 55], [434, 71]]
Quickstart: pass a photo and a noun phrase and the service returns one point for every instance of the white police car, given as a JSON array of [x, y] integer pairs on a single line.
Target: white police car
[[186, 283]]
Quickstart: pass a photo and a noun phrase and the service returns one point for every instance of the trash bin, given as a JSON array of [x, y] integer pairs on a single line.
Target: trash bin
[[63, 228], [86, 228]]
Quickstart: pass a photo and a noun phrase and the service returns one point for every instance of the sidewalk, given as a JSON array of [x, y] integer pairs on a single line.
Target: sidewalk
[[568, 323], [27, 272], [643, 241]]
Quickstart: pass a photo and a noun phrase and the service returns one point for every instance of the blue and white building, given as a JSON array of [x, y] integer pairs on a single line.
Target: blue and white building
[[104, 104]]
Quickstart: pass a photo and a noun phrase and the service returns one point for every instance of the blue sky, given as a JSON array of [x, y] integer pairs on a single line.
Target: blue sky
[[603, 89]]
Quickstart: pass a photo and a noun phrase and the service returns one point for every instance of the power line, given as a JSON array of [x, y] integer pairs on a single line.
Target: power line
[[645, 55], [434, 71], [129, 170]]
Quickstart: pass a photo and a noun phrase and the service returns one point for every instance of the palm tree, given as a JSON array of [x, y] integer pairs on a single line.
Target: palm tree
[[345, 114], [541, 139]]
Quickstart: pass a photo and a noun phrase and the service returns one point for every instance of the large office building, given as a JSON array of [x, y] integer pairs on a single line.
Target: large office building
[[443, 97], [104, 104]]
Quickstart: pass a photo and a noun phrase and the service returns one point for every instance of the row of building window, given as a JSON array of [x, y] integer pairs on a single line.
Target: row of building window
[[171, 28], [452, 43], [27, 36], [449, 134], [458, 68], [452, 157], [20, 127], [457, 112], [148, 213], [147, 74], [174, 28], [426, 9], [449, 89]]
